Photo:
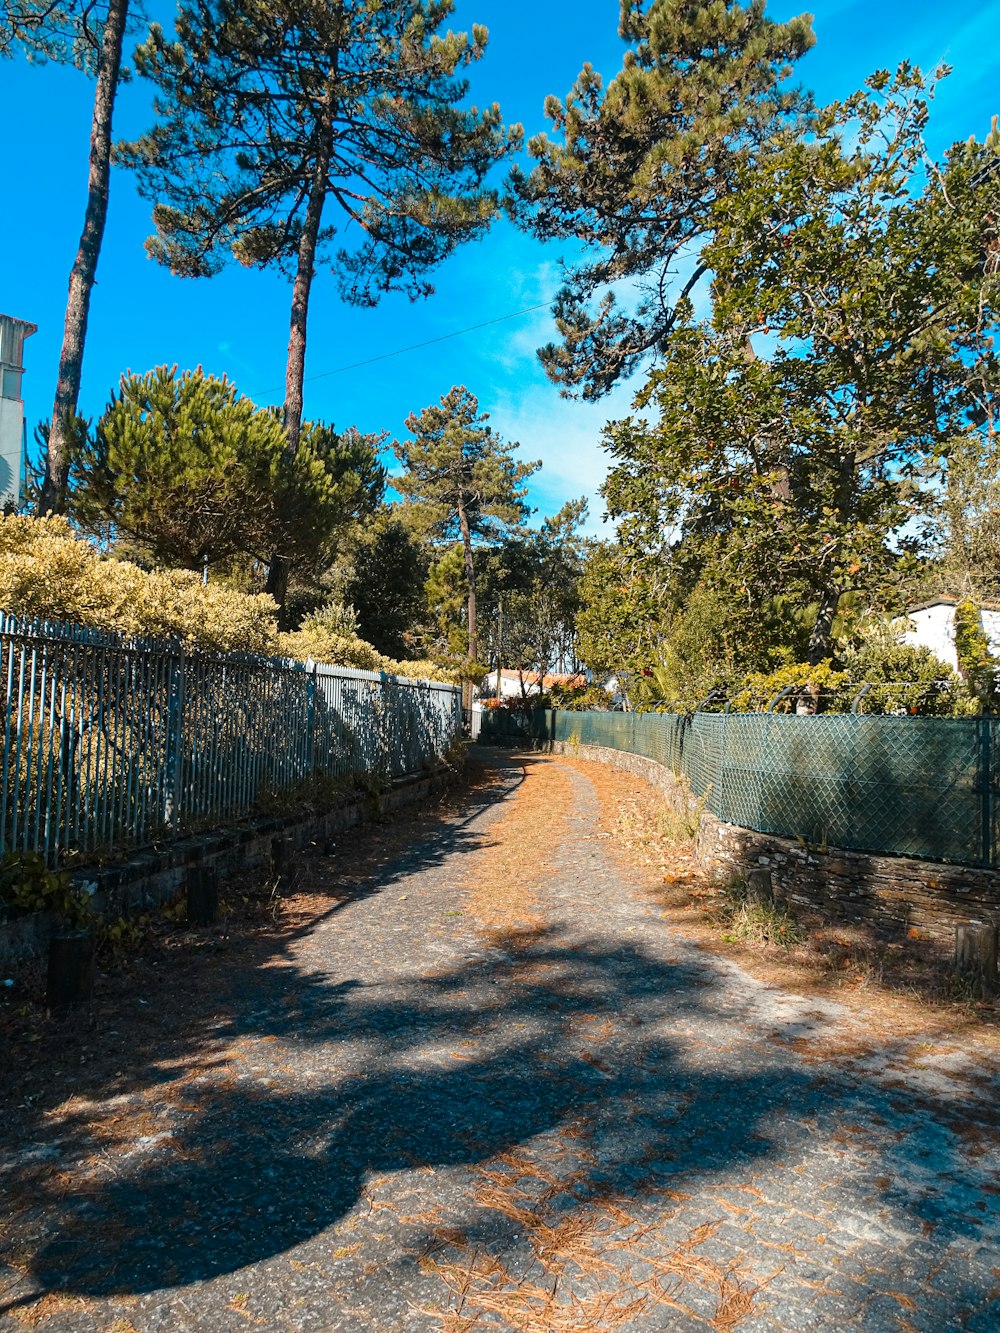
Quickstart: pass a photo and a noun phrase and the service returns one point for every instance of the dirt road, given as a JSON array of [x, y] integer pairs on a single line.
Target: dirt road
[[472, 1077]]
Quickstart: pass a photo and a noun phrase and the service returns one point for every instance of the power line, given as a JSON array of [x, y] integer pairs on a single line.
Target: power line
[[414, 347]]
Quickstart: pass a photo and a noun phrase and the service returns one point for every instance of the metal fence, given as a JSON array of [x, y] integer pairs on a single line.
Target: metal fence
[[911, 786], [109, 745]]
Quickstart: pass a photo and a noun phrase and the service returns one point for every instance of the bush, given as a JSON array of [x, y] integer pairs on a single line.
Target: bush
[[582, 698], [47, 571], [901, 678], [327, 636], [978, 667], [820, 686], [904, 678]]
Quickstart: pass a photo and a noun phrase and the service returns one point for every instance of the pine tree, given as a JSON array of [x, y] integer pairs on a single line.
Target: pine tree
[[190, 474], [801, 472], [268, 111], [90, 36], [462, 482], [641, 165]]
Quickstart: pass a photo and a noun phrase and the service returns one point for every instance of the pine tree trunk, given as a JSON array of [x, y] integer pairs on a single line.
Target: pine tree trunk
[[295, 366], [470, 579], [84, 272], [822, 630]]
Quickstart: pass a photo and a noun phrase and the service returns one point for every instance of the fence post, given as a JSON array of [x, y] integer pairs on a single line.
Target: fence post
[[175, 743], [310, 722], [986, 762]]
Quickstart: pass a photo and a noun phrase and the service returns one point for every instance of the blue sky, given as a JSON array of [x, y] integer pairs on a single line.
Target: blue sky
[[237, 323]]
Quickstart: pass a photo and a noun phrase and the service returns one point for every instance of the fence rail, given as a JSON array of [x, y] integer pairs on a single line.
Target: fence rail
[[910, 786], [109, 745]]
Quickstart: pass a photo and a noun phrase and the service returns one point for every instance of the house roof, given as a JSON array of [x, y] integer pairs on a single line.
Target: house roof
[[547, 681]]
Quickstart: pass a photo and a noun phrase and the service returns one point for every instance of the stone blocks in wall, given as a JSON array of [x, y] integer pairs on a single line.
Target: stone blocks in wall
[[148, 879], [895, 895]]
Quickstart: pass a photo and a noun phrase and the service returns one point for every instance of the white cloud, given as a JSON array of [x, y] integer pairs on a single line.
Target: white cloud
[[566, 436]]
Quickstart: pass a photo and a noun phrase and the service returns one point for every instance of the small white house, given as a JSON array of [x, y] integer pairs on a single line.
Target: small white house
[[932, 625], [517, 684]]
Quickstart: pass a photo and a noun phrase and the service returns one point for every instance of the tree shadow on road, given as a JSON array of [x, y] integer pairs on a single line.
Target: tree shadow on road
[[257, 1113]]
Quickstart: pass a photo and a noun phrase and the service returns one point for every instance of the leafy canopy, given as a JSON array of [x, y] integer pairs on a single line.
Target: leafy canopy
[[797, 435], [266, 105], [636, 169], [458, 474], [189, 472], [530, 593]]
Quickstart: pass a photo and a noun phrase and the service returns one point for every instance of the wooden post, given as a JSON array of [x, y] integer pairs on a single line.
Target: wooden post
[[759, 888], [202, 886], [71, 968], [282, 852], [976, 955]]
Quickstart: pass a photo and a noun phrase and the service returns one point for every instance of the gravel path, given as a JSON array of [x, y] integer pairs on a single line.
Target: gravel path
[[575, 1119]]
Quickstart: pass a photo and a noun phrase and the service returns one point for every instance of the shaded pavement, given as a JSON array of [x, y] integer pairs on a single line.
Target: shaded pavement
[[401, 1115]]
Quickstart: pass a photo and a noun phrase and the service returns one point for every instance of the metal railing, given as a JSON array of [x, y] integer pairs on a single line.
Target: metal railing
[[109, 744], [908, 786]]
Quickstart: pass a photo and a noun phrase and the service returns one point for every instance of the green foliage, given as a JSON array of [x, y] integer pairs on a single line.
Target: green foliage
[[326, 637], [580, 698], [371, 121], [27, 884], [810, 688], [622, 620], [446, 595], [188, 472], [461, 482], [639, 167], [794, 480], [978, 667], [529, 594], [969, 518], [48, 571], [747, 921], [459, 477], [68, 31], [385, 584], [124, 936], [904, 677]]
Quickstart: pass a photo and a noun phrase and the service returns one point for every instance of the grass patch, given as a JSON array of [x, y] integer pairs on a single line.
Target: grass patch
[[746, 920]]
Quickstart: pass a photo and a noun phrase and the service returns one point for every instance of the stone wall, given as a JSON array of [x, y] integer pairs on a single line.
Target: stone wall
[[149, 879], [894, 894]]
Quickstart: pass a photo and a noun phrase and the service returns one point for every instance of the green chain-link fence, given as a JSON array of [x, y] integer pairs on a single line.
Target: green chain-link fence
[[913, 786]]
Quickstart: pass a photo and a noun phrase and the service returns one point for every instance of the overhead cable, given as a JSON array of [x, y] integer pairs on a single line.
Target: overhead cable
[[414, 347]]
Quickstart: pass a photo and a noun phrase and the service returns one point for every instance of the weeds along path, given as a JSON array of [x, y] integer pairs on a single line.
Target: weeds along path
[[472, 1076]]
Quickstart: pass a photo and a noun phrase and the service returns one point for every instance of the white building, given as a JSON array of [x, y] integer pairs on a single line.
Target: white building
[[12, 335], [517, 684], [932, 625]]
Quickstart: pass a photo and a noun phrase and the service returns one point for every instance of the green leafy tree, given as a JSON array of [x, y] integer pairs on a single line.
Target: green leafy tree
[[461, 483], [621, 625], [190, 473], [274, 114], [89, 35], [800, 431], [638, 167], [446, 594], [385, 584], [531, 594]]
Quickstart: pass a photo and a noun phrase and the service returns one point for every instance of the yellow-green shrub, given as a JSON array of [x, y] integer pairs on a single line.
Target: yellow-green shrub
[[49, 572], [315, 641]]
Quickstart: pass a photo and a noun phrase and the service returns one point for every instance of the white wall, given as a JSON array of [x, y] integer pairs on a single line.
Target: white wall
[[11, 442], [933, 627]]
